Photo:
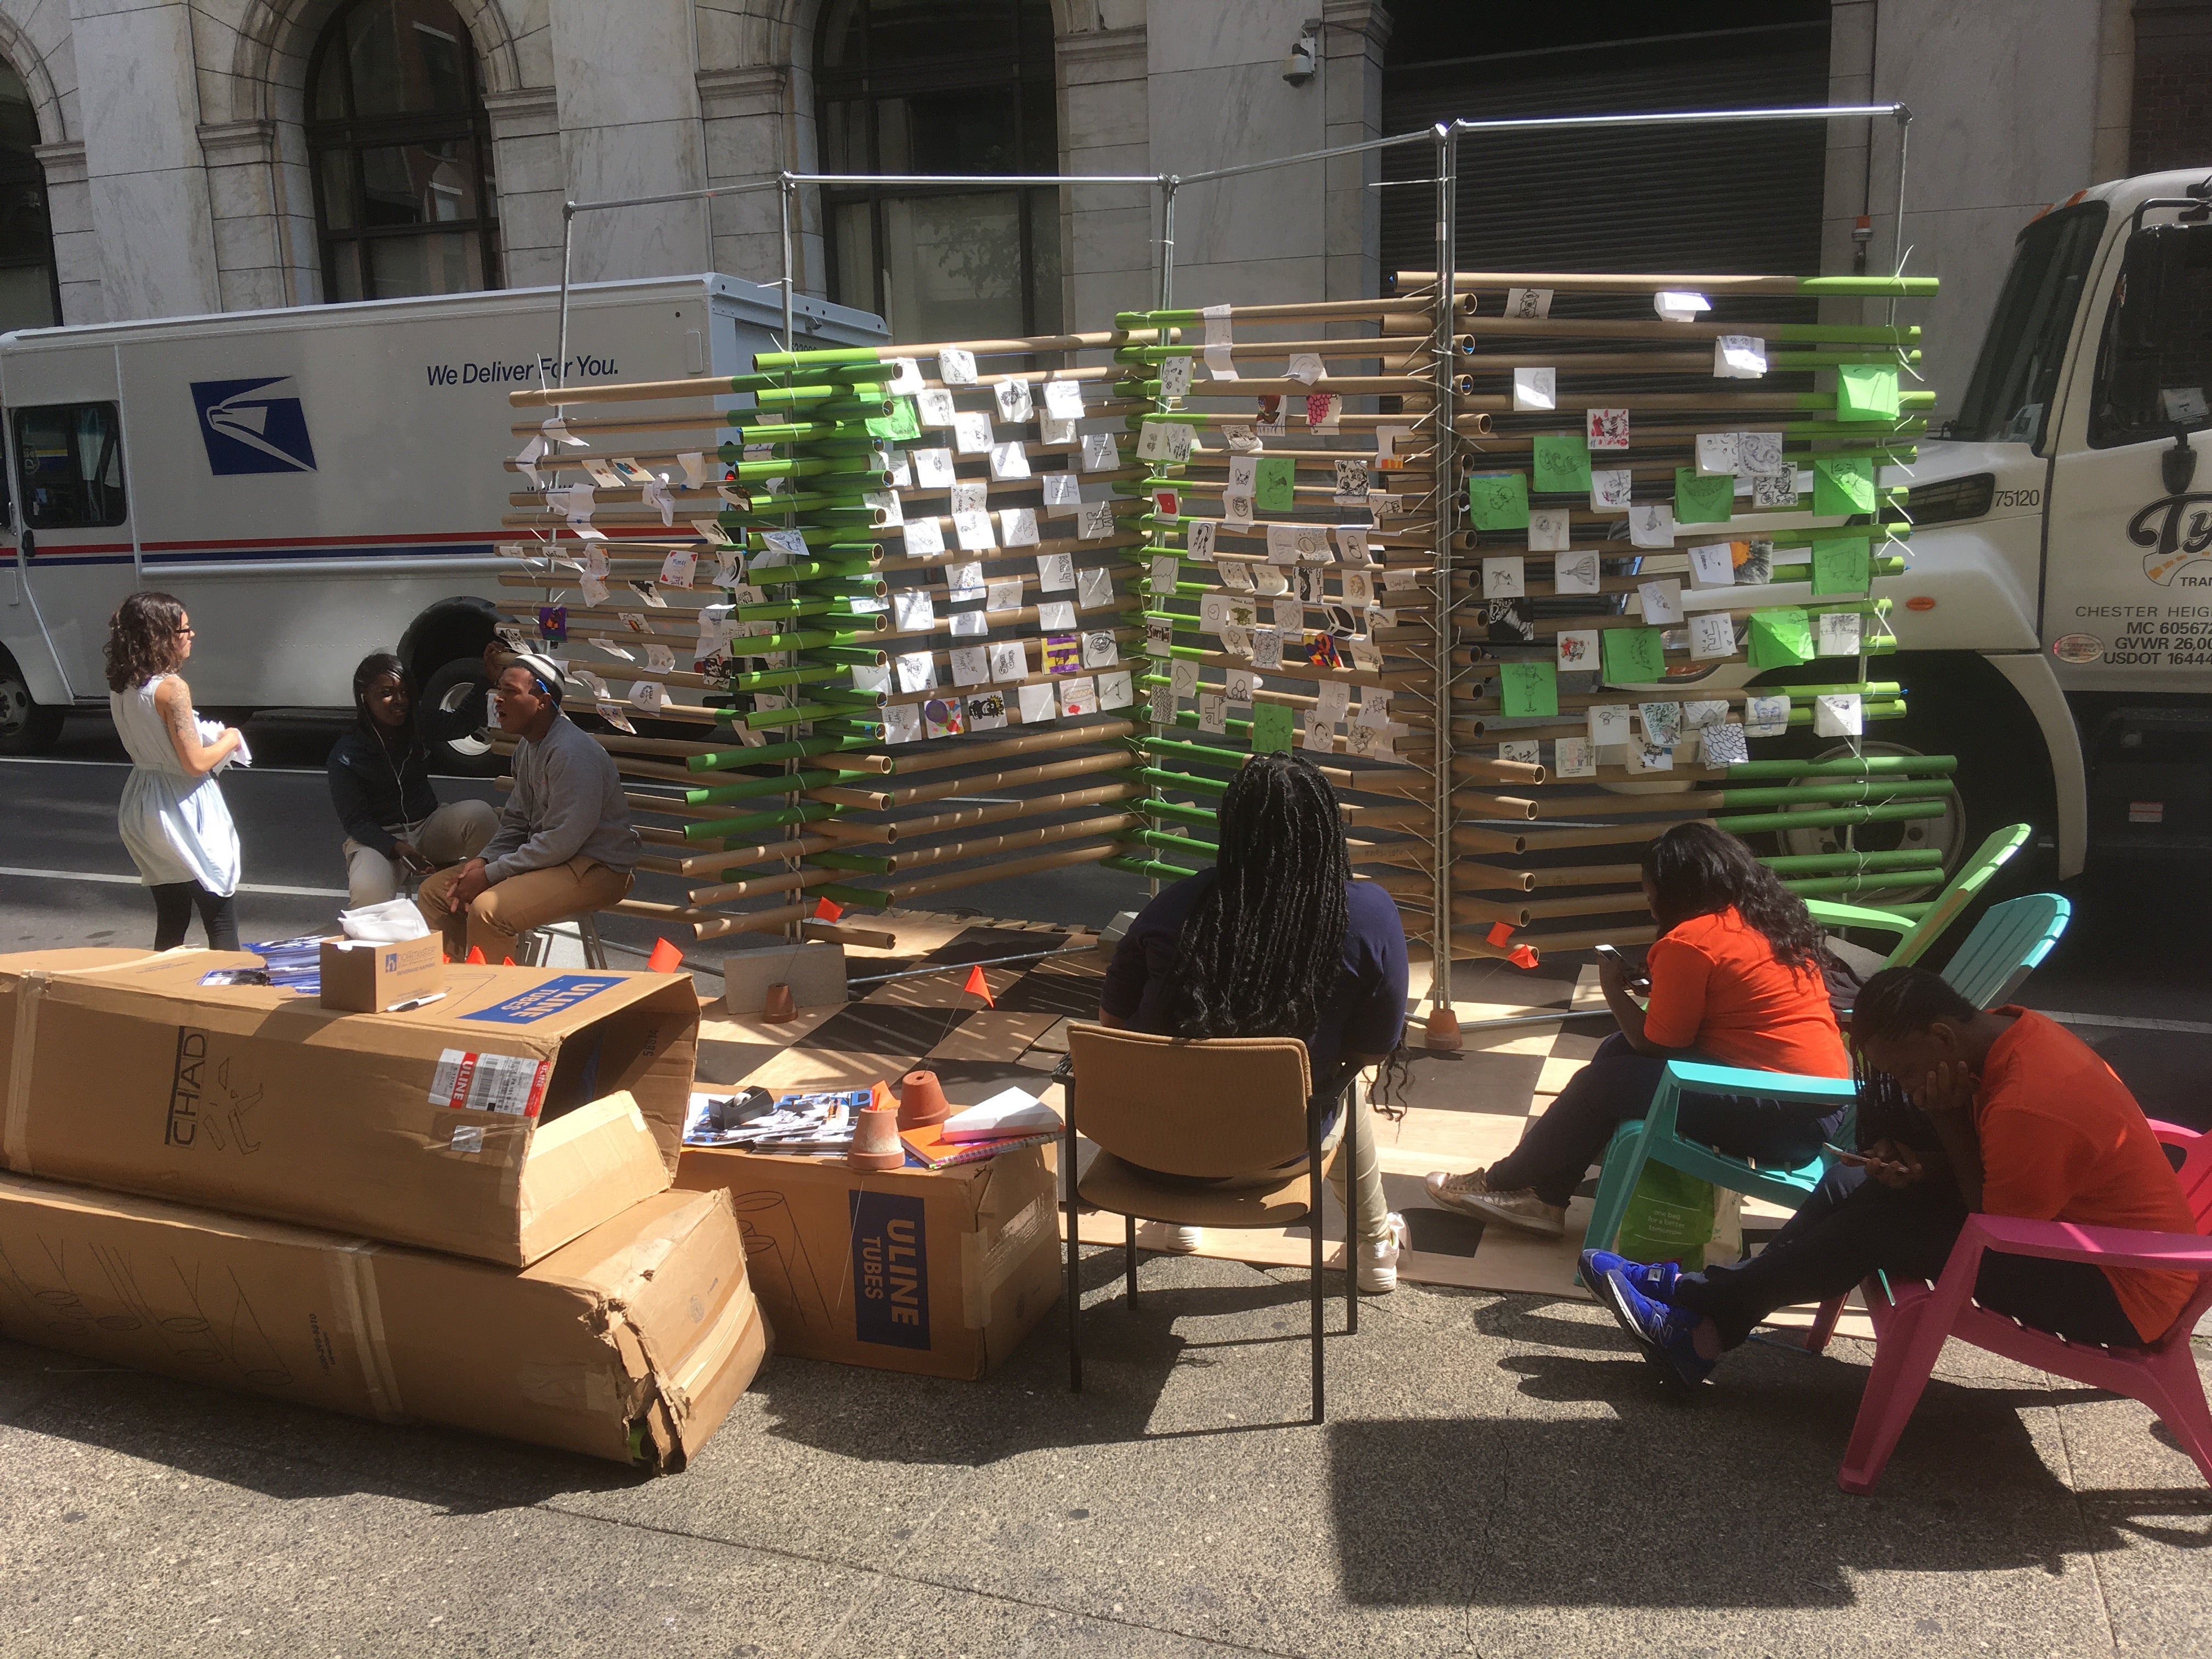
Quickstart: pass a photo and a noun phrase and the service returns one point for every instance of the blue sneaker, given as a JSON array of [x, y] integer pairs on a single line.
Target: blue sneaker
[[1653, 1280], [1664, 1333]]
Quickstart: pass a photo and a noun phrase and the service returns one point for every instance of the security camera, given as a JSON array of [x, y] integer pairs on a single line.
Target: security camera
[[1298, 67]]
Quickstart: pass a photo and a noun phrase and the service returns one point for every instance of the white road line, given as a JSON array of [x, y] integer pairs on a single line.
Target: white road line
[[2129, 1023], [243, 771], [133, 881]]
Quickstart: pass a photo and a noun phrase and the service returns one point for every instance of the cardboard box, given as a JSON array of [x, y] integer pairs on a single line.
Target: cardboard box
[[363, 977], [942, 1271], [521, 1109], [815, 972], [631, 1343], [20, 965]]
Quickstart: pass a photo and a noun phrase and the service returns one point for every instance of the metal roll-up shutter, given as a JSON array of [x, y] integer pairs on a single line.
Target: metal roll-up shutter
[[1738, 198]]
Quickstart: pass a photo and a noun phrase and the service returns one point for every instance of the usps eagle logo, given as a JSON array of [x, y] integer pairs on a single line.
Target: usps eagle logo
[[248, 427]]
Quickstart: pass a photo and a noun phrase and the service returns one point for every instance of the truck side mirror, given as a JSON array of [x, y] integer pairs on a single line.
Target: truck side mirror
[[2177, 465]]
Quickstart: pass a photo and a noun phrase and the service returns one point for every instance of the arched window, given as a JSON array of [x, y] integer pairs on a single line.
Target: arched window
[[29, 297], [401, 151], [941, 87]]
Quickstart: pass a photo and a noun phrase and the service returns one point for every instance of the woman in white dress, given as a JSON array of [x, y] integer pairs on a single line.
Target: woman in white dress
[[175, 824]]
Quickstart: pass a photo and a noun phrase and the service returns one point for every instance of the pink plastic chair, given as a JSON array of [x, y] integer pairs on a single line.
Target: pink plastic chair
[[1912, 1320]]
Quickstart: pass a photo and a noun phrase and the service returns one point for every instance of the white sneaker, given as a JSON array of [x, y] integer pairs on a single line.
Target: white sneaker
[[1184, 1239], [1378, 1257]]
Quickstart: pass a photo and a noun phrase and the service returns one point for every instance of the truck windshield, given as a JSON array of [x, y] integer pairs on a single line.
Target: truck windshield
[[2009, 399]]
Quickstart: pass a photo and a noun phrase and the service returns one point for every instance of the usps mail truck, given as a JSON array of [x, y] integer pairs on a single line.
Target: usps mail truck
[[314, 483]]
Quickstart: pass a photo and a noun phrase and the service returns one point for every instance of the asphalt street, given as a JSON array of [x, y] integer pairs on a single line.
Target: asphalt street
[[2126, 973], [65, 879]]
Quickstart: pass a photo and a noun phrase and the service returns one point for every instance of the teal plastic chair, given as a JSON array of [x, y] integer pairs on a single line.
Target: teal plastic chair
[[2008, 942]]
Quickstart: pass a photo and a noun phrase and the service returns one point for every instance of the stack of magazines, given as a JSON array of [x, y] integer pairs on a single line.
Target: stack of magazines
[[289, 964], [818, 1125]]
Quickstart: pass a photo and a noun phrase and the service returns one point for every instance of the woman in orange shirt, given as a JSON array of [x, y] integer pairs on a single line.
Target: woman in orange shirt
[[1736, 980]]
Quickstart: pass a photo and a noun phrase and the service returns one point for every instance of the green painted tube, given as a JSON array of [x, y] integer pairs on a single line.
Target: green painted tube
[[840, 410], [1900, 288], [1204, 817], [827, 357], [794, 468], [1822, 863], [813, 373], [1156, 871], [805, 812], [784, 783], [1195, 751], [723, 760], [1182, 781], [771, 720], [1901, 789], [1745, 823], [861, 862], [854, 656], [1205, 850], [1788, 360], [1874, 881], [1847, 766], [806, 396]]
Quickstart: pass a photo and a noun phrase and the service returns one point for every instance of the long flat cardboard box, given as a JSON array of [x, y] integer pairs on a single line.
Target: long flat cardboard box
[[631, 1343], [520, 1110]]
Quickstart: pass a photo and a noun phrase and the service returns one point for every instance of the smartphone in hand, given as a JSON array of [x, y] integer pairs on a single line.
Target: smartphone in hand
[[1612, 953]]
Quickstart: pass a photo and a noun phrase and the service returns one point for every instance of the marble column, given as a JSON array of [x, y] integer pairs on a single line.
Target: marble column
[[626, 91], [146, 176]]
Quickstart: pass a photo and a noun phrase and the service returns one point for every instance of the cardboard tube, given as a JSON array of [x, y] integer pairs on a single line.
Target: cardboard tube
[[889, 799], [1496, 771], [754, 886], [952, 852], [708, 863], [758, 922], [1056, 860], [937, 824]]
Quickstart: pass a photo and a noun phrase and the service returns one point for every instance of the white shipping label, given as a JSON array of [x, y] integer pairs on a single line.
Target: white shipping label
[[514, 1084]]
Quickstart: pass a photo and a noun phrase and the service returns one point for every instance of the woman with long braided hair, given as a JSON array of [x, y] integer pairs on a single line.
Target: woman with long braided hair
[[1736, 980], [1278, 940]]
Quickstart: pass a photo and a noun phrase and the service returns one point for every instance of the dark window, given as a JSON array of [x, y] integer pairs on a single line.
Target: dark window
[[70, 457], [28, 296], [2154, 361], [2009, 399], [941, 87], [400, 149]]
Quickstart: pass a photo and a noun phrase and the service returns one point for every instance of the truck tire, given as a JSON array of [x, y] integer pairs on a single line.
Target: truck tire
[[27, 728], [1957, 704], [461, 683]]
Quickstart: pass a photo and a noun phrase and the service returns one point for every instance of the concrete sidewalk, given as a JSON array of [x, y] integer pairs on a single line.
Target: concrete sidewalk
[[1497, 1476]]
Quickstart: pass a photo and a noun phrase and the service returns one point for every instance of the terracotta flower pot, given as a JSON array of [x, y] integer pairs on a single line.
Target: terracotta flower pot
[[779, 1007], [876, 1144], [922, 1101]]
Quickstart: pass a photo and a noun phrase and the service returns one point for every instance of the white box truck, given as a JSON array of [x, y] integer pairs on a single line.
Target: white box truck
[[2054, 622], [313, 482]]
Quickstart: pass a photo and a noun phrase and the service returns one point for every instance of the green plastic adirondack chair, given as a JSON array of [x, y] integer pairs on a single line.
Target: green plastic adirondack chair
[[2006, 945], [1916, 933]]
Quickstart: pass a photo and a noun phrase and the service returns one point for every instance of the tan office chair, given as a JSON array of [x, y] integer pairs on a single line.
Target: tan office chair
[[1226, 1106]]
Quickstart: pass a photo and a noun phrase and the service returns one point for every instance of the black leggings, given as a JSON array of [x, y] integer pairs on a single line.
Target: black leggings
[[173, 903]]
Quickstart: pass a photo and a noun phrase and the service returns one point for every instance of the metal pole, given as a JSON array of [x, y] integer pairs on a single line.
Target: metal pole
[[1897, 241], [568, 250], [783, 198], [1443, 1021], [1168, 186]]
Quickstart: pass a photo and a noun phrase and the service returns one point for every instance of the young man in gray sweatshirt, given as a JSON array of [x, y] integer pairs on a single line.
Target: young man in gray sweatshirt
[[564, 846]]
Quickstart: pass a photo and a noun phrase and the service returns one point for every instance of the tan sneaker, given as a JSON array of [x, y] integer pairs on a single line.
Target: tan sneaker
[[1470, 1194]]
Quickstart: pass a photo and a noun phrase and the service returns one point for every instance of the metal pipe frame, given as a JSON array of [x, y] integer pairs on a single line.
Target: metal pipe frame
[[1444, 137]]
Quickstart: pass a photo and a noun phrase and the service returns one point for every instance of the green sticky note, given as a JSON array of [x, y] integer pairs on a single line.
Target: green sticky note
[[1499, 500], [1842, 487], [1562, 465], [1845, 567], [1529, 688], [1781, 638], [1866, 392], [1271, 491], [900, 426], [1634, 656], [1702, 500], [1272, 725]]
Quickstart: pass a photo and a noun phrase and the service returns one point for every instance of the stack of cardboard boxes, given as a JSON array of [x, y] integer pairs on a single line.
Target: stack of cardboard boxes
[[460, 1212]]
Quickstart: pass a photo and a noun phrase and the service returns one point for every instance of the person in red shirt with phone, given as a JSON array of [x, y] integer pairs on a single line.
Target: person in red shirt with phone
[[2015, 1115], [1735, 980]]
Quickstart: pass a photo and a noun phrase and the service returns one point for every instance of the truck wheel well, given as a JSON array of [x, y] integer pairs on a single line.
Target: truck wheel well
[[454, 627]]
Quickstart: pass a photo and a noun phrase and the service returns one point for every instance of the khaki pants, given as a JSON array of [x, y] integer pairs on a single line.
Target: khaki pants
[[521, 902], [454, 834]]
